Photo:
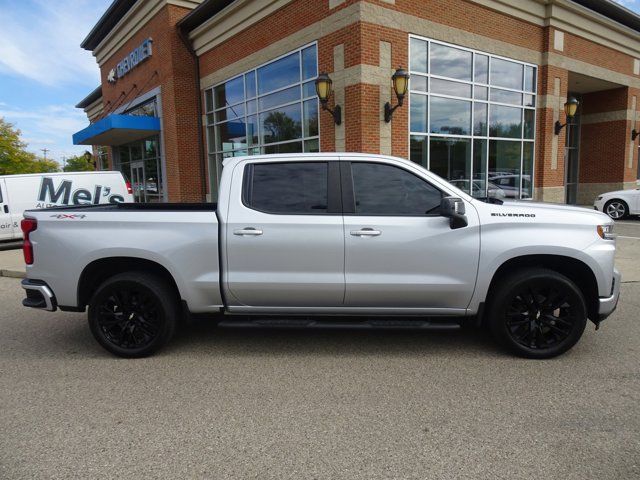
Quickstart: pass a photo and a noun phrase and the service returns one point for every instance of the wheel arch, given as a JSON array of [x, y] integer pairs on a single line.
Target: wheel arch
[[575, 270], [101, 269]]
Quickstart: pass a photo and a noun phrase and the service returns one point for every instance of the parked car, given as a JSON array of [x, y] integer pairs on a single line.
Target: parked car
[[619, 204], [320, 240], [43, 190], [479, 189], [510, 184]]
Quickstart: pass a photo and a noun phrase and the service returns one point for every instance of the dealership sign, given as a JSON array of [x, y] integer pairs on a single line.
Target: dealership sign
[[131, 61]]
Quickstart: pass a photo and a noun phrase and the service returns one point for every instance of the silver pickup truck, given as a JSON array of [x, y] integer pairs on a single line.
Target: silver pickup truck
[[321, 240]]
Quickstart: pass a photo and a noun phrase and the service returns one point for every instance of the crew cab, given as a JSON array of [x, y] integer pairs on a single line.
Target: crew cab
[[326, 240]]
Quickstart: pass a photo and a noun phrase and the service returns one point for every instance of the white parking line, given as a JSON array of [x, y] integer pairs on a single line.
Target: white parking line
[[623, 236], [635, 224]]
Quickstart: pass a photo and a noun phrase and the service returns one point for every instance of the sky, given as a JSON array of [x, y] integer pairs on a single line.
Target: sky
[[44, 72]]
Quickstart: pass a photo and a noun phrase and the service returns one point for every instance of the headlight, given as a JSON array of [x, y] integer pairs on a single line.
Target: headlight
[[599, 198], [606, 232]]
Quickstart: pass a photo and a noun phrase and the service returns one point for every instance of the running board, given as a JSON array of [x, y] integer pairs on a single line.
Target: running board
[[368, 323]]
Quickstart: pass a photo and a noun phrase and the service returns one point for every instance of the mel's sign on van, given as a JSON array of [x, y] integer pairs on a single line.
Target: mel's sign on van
[[65, 194], [128, 63]]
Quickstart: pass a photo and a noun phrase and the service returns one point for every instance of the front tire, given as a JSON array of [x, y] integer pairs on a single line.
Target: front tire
[[616, 209], [537, 313], [133, 314]]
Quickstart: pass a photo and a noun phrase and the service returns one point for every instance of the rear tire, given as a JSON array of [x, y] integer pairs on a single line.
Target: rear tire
[[616, 209], [537, 313], [133, 314]]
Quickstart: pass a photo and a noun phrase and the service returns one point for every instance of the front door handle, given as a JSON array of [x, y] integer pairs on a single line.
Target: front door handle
[[248, 231], [366, 232], [6, 209]]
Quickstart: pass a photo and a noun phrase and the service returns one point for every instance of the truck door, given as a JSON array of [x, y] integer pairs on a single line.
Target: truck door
[[7, 226], [399, 251], [284, 236]]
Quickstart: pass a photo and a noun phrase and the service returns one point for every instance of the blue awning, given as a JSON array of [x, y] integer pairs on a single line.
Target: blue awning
[[117, 129]]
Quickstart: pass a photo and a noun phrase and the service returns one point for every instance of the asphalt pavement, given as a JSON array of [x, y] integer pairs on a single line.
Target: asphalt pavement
[[262, 404]]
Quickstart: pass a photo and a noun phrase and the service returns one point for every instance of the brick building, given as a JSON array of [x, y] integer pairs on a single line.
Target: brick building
[[186, 83]]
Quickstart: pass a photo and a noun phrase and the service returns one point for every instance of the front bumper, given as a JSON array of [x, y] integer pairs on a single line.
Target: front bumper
[[609, 304], [39, 295]]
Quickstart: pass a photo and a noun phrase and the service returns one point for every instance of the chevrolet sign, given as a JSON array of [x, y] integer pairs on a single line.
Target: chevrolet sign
[[128, 63]]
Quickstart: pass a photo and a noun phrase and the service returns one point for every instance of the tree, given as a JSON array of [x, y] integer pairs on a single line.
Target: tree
[[79, 163], [14, 157]]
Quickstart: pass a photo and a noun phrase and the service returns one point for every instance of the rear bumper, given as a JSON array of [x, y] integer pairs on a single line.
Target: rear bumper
[[39, 295], [609, 304]]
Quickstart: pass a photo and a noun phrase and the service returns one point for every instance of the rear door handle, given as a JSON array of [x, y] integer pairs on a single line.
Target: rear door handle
[[6, 209], [366, 232], [248, 231]]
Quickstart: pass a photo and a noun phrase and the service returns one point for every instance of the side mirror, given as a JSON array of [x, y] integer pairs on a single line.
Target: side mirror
[[453, 208]]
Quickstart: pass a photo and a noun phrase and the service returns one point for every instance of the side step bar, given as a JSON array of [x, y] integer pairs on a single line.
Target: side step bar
[[365, 323]]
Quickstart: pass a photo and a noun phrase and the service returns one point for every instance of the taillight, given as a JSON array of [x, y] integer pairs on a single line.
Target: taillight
[[129, 191], [28, 225]]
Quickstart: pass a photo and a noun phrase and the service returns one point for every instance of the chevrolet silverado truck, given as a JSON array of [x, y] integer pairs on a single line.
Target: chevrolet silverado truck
[[326, 240]]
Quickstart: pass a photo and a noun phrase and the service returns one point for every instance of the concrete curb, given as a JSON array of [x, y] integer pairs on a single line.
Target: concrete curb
[[12, 273]]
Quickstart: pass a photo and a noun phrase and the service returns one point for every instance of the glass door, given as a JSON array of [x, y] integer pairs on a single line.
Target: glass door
[[137, 181], [572, 157]]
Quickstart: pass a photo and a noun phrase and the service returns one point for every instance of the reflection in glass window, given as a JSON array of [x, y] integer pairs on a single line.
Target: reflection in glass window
[[450, 62], [271, 109], [504, 166], [450, 116], [419, 55], [281, 124], [279, 74], [505, 122], [447, 87], [481, 69], [386, 190], [480, 119], [287, 188], [418, 112], [229, 93], [452, 137], [506, 74], [451, 159], [418, 150]]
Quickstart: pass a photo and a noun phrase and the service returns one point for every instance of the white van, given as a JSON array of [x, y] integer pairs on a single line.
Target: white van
[[41, 190]]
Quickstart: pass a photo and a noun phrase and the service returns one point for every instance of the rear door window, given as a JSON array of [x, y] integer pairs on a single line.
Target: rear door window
[[291, 188], [381, 189]]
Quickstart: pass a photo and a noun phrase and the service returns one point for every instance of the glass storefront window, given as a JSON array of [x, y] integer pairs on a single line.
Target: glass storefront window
[[270, 109], [451, 62], [472, 118]]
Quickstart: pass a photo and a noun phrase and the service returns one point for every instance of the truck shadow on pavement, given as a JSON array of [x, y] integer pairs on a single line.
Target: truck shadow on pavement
[[202, 335]]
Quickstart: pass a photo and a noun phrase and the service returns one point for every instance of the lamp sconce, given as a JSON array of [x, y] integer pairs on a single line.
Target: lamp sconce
[[570, 108], [634, 134], [324, 87], [400, 80]]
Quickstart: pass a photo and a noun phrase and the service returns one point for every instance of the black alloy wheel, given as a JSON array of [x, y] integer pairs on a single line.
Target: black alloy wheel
[[538, 313], [133, 314]]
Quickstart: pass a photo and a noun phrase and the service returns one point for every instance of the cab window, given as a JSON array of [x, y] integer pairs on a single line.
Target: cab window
[[381, 189], [292, 188]]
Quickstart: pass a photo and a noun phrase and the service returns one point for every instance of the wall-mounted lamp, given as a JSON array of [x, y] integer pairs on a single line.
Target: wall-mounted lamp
[[570, 108], [400, 81], [324, 86], [634, 134]]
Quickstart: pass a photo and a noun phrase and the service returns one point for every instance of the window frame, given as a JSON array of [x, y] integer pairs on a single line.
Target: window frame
[[334, 201], [349, 195], [488, 85]]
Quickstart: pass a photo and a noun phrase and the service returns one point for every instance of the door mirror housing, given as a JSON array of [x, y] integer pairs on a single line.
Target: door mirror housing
[[454, 209]]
